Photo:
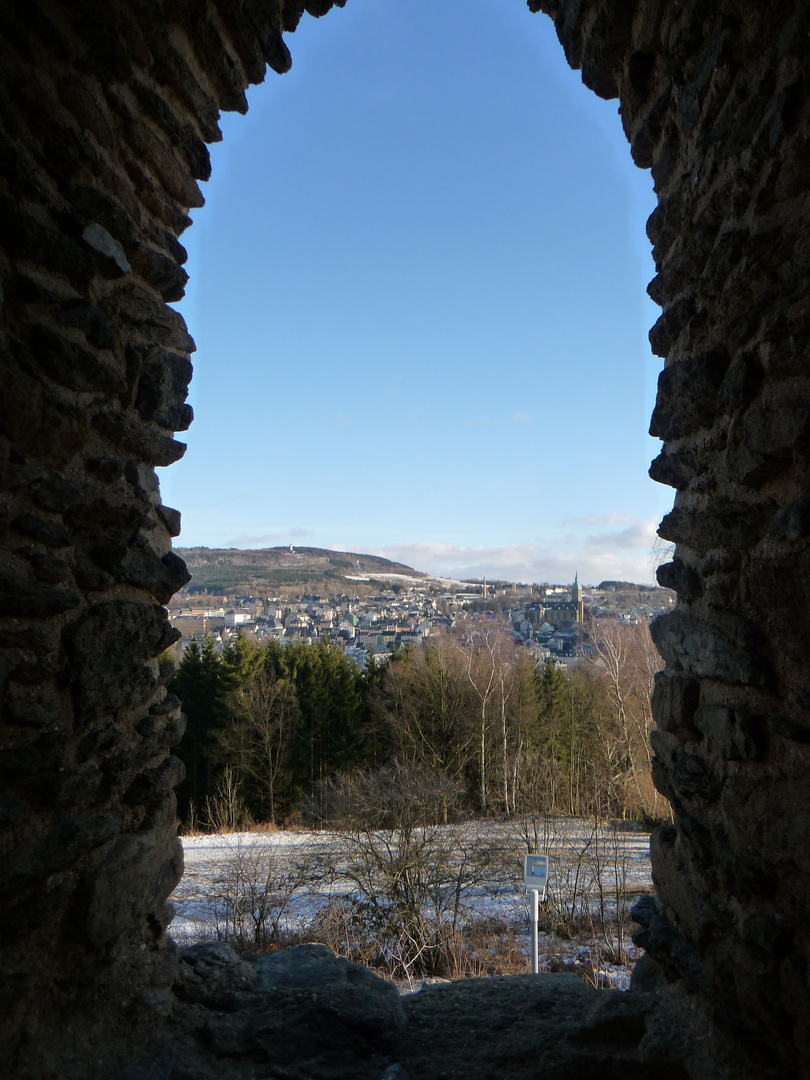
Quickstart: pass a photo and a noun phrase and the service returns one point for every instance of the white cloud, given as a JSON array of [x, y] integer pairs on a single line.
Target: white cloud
[[625, 555], [640, 534]]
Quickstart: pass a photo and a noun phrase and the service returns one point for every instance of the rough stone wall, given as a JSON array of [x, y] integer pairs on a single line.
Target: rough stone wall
[[714, 98], [105, 110]]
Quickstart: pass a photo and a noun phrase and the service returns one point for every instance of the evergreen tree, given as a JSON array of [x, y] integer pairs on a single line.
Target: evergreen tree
[[376, 745], [202, 686], [240, 661]]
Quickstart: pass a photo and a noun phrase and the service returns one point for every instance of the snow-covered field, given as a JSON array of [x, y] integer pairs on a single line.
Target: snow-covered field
[[291, 877]]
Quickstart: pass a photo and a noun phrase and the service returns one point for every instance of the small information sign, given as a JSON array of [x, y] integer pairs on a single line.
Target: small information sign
[[535, 874]]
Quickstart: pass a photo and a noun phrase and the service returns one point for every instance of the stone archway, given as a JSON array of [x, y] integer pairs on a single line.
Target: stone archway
[[105, 111]]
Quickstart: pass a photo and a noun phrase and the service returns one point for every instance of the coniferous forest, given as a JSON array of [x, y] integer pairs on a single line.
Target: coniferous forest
[[273, 731]]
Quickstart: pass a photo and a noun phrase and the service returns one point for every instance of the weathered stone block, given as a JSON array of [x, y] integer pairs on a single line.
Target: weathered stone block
[[683, 579], [210, 973], [687, 395], [59, 849], [153, 785], [29, 598], [110, 646], [43, 530], [695, 648], [139, 439], [675, 700], [741, 382], [109, 252], [134, 880], [733, 734], [731, 524], [676, 469], [764, 440]]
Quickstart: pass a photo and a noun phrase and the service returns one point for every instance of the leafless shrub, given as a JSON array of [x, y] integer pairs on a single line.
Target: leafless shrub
[[191, 825], [405, 883], [253, 894], [486, 946], [337, 926], [613, 912], [398, 797], [224, 811]]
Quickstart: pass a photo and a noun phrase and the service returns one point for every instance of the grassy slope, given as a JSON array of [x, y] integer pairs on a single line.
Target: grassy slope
[[233, 570]]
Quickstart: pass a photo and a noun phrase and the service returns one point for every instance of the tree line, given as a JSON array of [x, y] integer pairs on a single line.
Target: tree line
[[273, 728]]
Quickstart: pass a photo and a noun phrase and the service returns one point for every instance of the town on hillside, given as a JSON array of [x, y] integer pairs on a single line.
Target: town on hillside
[[553, 622]]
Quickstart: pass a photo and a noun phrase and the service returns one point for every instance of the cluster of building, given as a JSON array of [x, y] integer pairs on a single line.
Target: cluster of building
[[381, 623], [549, 620]]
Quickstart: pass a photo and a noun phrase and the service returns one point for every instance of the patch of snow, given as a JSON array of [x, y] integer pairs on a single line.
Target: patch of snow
[[595, 868]]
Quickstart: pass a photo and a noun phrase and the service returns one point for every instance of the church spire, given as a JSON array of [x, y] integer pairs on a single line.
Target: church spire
[[576, 597]]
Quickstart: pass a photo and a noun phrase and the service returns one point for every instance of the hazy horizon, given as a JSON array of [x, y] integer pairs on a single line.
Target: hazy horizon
[[563, 581]]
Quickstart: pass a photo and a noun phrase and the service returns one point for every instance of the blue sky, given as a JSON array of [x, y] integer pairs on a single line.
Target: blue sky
[[418, 296]]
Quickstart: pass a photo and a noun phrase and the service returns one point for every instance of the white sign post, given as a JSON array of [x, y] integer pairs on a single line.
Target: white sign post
[[535, 876]]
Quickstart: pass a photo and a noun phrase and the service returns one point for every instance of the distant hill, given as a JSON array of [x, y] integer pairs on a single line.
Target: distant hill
[[233, 570]]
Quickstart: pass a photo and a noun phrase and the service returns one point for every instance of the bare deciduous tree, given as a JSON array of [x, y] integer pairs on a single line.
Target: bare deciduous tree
[[427, 702], [257, 741], [626, 662], [483, 644]]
